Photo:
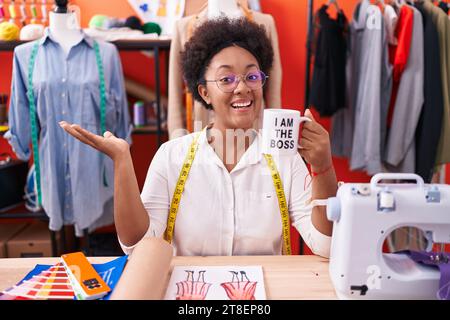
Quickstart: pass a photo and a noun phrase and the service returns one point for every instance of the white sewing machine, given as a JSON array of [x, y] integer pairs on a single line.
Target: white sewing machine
[[364, 215]]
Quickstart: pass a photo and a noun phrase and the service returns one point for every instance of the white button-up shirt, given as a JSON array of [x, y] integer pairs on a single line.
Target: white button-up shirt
[[225, 213]]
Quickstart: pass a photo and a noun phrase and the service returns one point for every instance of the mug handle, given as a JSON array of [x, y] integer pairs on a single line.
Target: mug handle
[[303, 119]]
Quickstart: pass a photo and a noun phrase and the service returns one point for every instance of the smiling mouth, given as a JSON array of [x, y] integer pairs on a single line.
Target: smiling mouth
[[242, 105]]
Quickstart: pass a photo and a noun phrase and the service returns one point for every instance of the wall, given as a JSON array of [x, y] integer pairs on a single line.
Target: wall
[[291, 21]]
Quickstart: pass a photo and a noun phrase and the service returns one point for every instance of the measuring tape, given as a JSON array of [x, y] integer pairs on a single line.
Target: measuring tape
[[168, 235], [174, 205], [101, 74], [281, 203], [33, 115], [33, 123]]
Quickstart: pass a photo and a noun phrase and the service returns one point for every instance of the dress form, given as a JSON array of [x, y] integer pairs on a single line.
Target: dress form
[[219, 8], [64, 28]]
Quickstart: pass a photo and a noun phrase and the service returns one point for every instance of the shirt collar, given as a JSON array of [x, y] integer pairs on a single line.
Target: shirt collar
[[251, 156], [48, 36]]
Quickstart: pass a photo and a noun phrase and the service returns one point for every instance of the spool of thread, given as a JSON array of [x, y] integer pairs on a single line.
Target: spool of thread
[[152, 27], [2, 12], [33, 13], [139, 114], [43, 11], [23, 14], [12, 12], [133, 22], [9, 31]]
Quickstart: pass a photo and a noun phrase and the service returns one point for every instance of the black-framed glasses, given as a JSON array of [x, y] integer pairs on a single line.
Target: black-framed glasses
[[228, 83]]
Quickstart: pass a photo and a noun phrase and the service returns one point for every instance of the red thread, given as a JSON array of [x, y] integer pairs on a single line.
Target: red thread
[[315, 174]]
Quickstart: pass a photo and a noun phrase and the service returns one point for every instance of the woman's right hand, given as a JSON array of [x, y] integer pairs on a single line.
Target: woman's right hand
[[108, 144]]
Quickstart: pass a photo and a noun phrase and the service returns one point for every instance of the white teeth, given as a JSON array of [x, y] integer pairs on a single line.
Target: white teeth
[[241, 104]]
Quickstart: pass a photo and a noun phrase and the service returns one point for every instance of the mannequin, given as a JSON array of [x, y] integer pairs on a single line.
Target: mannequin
[[218, 8], [64, 26], [55, 89]]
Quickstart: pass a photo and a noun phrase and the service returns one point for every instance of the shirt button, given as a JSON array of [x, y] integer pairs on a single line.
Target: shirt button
[[63, 95], [63, 112], [63, 80]]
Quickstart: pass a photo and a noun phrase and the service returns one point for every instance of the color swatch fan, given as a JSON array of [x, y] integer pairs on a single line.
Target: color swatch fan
[[86, 282], [51, 284]]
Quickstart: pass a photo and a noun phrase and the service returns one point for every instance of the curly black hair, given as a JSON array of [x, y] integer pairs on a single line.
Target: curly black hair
[[215, 35]]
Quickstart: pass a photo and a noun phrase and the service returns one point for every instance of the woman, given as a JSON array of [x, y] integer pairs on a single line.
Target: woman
[[229, 205]]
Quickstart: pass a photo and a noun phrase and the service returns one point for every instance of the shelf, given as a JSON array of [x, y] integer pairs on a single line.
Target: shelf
[[163, 44], [20, 212]]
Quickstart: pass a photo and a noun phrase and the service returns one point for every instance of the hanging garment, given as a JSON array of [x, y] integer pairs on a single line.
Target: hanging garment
[[429, 128], [391, 20], [400, 150], [369, 87], [176, 104], [443, 26], [76, 180], [342, 123], [444, 6], [328, 81], [399, 53]]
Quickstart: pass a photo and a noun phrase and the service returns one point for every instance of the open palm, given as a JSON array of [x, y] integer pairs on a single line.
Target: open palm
[[108, 143]]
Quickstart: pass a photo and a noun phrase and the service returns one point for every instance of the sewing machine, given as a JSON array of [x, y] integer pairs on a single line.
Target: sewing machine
[[364, 215]]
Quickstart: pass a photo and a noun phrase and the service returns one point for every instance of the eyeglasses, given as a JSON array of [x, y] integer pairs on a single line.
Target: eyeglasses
[[228, 83]]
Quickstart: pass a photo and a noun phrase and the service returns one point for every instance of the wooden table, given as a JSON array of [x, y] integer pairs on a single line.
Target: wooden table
[[286, 278]]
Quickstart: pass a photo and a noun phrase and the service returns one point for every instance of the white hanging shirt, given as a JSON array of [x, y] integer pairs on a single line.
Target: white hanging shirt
[[391, 20], [225, 213]]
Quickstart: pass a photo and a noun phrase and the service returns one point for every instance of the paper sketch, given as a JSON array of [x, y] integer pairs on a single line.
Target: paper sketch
[[193, 290], [216, 283], [240, 289]]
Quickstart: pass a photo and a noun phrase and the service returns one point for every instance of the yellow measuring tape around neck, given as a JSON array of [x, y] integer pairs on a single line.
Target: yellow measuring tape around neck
[[168, 235], [281, 203]]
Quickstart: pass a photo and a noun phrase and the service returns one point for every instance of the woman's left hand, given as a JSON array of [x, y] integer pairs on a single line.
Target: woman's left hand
[[315, 144]]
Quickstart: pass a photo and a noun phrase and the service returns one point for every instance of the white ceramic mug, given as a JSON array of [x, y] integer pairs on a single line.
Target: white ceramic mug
[[280, 131]]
